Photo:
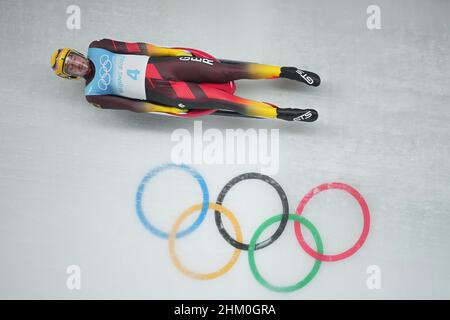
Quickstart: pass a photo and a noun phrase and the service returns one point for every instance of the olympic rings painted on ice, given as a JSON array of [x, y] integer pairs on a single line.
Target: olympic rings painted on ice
[[181, 218], [362, 237], [284, 203], [283, 218], [251, 255], [138, 203]]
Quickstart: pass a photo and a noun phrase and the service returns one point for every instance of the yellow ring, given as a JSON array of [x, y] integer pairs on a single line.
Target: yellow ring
[[176, 226]]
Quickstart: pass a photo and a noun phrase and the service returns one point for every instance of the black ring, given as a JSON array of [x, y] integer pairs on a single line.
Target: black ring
[[284, 203]]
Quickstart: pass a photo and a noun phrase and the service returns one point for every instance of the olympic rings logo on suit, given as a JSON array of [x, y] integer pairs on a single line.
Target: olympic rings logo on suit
[[105, 68], [282, 219]]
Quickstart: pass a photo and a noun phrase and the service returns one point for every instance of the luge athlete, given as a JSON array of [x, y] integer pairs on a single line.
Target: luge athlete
[[142, 77]]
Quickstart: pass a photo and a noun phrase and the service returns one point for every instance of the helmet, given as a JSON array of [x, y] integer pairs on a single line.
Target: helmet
[[58, 62]]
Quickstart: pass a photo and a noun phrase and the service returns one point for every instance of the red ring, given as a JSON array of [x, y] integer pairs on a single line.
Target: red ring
[[363, 236]]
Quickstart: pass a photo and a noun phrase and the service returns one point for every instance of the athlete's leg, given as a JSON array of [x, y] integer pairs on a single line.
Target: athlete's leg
[[219, 99], [201, 96], [200, 70]]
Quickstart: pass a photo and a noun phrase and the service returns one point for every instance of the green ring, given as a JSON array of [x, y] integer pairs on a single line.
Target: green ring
[[251, 253]]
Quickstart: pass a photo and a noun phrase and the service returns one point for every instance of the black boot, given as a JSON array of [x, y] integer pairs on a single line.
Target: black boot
[[308, 77], [291, 114]]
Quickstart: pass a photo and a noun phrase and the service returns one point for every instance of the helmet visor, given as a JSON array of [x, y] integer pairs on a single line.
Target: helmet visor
[[75, 64]]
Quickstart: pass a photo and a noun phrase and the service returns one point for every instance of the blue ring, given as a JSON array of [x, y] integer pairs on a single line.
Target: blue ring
[[154, 172]]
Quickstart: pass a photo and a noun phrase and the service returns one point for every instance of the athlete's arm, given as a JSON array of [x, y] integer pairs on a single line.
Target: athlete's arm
[[121, 103], [140, 48]]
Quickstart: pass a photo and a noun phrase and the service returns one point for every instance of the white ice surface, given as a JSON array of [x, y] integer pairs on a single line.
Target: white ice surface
[[69, 172]]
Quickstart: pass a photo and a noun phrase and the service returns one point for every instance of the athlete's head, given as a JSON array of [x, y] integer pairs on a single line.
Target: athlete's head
[[70, 64]]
